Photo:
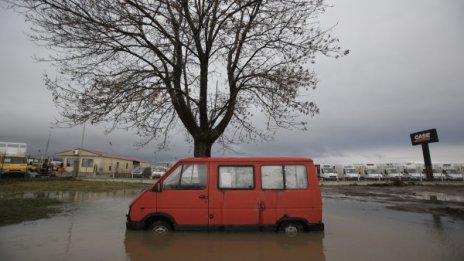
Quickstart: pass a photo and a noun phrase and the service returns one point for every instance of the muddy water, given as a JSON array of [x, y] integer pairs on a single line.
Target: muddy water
[[92, 227]]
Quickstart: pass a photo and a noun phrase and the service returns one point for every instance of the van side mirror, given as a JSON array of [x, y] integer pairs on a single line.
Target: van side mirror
[[157, 187]]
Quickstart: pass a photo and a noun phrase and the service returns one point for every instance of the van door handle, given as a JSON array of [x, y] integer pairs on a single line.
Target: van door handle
[[203, 197]]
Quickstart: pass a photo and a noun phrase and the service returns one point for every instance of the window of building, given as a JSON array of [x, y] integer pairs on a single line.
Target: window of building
[[87, 162], [187, 177], [236, 177], [70, 162], [284, 177]]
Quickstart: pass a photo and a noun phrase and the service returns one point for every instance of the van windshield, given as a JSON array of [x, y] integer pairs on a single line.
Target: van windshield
[[187, 177], [328, 170], [14, 160]]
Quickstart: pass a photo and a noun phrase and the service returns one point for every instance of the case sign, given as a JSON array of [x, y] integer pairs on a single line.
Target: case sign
[[425, 136]]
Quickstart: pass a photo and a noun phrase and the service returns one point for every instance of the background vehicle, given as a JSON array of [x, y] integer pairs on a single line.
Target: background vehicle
[[372, 172], [411, 171], [451, 173], [350, 172], [13, 160], [158, 171], [141, 172], [392, 172], [328, 172], [437, 174]]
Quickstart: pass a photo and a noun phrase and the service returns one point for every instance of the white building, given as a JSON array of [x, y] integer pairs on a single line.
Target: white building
[[91, 163]]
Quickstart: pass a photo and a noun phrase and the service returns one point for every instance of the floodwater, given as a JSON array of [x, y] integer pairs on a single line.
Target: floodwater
[[92, 227]]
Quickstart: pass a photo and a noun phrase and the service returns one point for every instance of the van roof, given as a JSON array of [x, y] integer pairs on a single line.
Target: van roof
[[252, 159]]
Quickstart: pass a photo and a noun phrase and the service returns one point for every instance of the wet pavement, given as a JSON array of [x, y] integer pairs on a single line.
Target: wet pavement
[[92, 227]]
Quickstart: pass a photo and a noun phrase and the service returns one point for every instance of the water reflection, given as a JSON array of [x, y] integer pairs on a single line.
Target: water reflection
[[72, 196], [440, 196], [223, 246]]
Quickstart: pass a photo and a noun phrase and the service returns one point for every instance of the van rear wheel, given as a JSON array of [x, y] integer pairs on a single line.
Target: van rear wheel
[[291, 228], [160, 227]]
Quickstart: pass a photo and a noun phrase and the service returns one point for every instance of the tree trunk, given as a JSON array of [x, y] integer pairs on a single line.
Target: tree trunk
[[202, 148]]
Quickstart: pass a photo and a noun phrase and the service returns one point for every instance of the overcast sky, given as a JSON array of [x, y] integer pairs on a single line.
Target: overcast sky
[[405, 73]]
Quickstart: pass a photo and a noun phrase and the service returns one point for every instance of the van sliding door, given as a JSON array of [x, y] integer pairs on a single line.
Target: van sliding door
[[233, 198]]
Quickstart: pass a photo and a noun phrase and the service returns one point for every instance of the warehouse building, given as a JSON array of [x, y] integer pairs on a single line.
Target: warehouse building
[[85, 162]]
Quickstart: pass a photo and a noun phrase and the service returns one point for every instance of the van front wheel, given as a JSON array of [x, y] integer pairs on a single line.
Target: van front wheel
[[160, 227], [291, 228]]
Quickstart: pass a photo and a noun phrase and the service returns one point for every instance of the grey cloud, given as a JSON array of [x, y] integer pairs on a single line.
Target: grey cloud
[[403, 74]]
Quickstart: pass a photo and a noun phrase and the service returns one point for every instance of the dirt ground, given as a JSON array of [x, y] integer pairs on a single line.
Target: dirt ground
[[436, 200]]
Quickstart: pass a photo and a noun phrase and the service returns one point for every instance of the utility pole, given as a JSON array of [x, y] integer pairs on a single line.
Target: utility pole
[[79, 152], [48, 141]]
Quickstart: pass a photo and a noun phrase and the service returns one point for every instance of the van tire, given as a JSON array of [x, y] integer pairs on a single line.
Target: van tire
[[160, 227], [291, 228]]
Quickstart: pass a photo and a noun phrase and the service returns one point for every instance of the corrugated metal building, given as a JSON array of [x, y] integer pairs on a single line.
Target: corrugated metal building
[[85, 162]]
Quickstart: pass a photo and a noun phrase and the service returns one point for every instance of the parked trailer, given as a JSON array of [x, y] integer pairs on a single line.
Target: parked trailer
[[13, 148]]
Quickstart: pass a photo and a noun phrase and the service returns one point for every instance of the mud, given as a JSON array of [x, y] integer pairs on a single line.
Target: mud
[[436, 200], [360, 225]]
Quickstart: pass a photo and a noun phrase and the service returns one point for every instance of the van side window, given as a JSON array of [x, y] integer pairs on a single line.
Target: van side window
[[272, 177], [295, 177], [236, 177], [187, 177], [284, 177]]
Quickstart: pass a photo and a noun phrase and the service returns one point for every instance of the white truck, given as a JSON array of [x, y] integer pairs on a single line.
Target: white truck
[[350, 172], [392, 172], [451, 172], [328, 172], [437, 174], [413, 172], [372, 172]]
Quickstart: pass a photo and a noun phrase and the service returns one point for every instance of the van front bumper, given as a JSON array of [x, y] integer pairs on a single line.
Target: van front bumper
[[133, 225]]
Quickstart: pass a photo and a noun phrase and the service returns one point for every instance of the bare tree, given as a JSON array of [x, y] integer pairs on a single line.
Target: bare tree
[[208, 64]]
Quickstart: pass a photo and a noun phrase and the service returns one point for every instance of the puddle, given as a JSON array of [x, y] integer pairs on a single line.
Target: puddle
[[439, 196], [224, 246], [94, 229]]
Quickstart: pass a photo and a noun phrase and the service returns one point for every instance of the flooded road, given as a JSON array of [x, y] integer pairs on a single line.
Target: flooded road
[[92, 227]]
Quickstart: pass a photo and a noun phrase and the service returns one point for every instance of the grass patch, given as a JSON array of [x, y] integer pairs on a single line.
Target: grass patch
[[17, 210], [16, 186]]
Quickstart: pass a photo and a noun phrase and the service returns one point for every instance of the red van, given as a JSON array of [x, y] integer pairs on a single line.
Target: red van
[[230, 194]]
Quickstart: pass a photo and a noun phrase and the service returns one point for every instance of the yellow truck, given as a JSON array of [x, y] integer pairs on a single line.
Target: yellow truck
[[13, 160]]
